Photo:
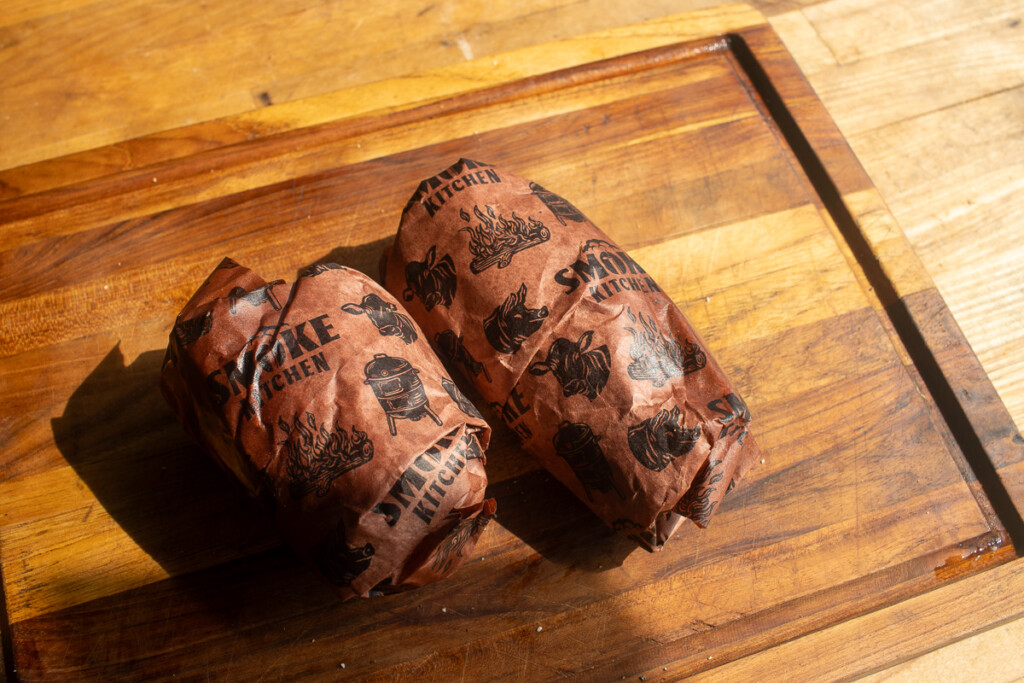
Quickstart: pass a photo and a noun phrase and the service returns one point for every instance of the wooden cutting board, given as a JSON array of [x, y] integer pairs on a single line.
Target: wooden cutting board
[[891, 468]]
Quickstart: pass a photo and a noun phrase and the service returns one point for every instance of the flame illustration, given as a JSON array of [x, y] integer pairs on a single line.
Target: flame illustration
[[494, 239], [697, 504], [654, 356], [314, 456]]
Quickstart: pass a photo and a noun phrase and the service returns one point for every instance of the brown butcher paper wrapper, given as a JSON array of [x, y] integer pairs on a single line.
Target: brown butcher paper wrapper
[[323, 398], [586, 359]]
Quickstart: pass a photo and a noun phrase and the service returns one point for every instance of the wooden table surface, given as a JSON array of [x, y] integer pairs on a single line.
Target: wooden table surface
[[928, 94]]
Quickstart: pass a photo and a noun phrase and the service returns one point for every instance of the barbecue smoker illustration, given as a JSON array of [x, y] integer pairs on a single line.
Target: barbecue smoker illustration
[[659, 440], [495, 239], [315, 457], [397, 386], [657, 358], [581, 448]]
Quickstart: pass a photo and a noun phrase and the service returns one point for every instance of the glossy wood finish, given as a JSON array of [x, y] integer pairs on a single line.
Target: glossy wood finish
[[756, 217]]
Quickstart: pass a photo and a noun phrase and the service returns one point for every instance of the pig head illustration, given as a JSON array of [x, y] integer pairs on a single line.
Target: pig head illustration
[[385, 317], [434, 283], [578, 370], [512, 322]]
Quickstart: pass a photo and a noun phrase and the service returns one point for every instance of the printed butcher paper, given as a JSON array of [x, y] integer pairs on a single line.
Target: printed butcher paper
[[323, 398], [574, 345]]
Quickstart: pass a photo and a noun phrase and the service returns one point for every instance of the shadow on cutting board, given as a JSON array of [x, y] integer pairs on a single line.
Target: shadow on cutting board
[[122, 440], [363, 257], [537, 508]]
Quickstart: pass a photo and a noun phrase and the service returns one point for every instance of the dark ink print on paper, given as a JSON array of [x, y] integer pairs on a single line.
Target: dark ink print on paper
[[319, 268], [188, 332], [733, 414], [581, 448], [451, 350], [432, 282], [464, 404], [513, 321], [697, 503], [255, 298], [315, 456], [494, 240], [385, 317], [577, 370], [560, 207], [659, 440], [455, 542], [397, 386], [339, 563], [656, 357]]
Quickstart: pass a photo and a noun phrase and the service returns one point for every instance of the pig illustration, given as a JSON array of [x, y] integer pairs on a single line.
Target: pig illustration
[[385, 317], [512, 322]]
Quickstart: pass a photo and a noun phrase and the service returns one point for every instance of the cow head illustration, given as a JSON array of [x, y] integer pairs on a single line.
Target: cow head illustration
[[512, 322], [385, 317], [578, 370], [434, 283]]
